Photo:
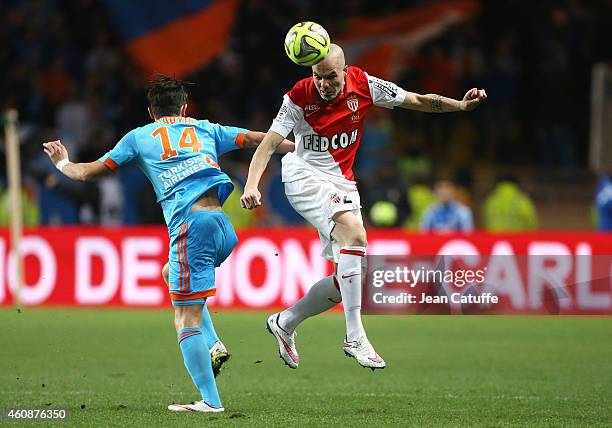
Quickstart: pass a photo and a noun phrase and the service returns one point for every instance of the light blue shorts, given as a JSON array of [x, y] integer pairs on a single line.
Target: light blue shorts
[[196, 249]]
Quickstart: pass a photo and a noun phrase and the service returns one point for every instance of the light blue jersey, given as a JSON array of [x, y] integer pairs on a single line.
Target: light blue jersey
[[179, 156]]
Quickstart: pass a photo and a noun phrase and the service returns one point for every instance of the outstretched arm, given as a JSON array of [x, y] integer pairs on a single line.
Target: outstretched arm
[[76, 171], [254, 138], [251, 197], [438, 104]]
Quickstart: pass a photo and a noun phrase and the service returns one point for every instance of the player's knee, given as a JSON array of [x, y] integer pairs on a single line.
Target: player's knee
[[181, 322], [358, 237], [166, 273], [353, 234], [187, 316]]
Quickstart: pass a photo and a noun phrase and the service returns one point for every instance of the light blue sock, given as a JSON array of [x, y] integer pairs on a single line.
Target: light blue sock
[[197, 360], [208, 330]]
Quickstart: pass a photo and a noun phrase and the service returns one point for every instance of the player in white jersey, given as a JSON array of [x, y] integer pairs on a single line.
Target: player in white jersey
[[326, 114]]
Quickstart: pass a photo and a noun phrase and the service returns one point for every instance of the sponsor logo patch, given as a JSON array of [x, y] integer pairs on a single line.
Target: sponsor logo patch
[[318, 143], [310, 109]]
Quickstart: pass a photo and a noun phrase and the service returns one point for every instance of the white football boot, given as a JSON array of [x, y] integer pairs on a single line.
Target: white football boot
[[198, 406], [363, 351], [218, 356], [286, 342]]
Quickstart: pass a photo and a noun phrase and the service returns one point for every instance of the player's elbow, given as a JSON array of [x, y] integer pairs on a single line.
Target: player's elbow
[[420, 102], [88, 174], [286, 146], [85, 175]]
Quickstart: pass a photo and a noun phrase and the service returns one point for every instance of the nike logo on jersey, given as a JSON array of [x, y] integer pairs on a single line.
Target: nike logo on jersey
[[319, 143], [348, 276]]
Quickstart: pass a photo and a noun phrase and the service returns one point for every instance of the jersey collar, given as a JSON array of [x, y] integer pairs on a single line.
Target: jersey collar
[[175, 119]]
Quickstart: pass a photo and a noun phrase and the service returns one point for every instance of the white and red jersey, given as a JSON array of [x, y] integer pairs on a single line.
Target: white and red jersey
[[327, 134]]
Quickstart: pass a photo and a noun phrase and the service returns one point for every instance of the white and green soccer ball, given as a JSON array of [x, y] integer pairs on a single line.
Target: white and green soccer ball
[[307, 43]]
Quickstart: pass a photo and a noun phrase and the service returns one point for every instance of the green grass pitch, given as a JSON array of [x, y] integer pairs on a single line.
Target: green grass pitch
[[123, 367]]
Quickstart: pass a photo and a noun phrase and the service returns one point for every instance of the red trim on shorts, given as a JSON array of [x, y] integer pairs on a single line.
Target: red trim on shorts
[[180, 261], [240, 140], [193, 296], [352, 252], [186, 255], [110, 164], [181, 249], [336, 283], [178, 253]]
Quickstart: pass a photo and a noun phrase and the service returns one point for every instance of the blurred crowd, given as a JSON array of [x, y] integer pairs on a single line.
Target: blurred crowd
[[66, 71]]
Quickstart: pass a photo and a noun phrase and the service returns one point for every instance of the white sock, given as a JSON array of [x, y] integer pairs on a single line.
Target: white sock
[[320, 297], [349, 277]]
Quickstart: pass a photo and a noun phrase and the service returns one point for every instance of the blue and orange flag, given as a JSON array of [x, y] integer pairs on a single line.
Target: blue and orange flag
[[173, 38]]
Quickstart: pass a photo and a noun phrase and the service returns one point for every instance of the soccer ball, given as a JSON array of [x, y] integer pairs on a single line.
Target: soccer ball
[[307, 43]]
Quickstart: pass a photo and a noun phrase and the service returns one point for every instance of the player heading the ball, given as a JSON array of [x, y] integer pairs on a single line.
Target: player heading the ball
[[326, 113]]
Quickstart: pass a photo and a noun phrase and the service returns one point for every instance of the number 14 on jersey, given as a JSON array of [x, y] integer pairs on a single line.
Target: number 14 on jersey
[[188, 140]]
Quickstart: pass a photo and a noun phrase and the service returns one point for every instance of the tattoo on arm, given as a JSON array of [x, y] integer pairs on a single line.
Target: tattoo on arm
[[436, 104]]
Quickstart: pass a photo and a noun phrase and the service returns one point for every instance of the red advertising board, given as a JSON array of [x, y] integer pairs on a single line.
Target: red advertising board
[[88, 266]]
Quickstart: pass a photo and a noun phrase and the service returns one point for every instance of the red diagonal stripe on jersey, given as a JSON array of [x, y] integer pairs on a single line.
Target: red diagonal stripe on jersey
[[332, 120]]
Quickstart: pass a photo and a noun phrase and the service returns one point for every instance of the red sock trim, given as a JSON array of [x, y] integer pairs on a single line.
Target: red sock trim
[[352, 252]]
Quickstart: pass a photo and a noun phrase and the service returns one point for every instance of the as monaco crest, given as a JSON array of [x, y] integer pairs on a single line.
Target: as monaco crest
[[353, 104]]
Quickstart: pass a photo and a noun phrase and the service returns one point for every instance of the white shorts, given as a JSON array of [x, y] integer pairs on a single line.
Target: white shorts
[[317, 201]]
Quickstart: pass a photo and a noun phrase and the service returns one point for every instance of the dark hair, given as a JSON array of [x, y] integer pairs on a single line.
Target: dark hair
[[166, 95]]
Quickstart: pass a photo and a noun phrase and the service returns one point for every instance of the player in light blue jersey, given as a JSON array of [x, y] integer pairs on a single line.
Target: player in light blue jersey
[[179, 155]]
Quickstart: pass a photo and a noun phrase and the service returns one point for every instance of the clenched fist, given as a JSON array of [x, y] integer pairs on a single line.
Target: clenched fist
[[251, 198]]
